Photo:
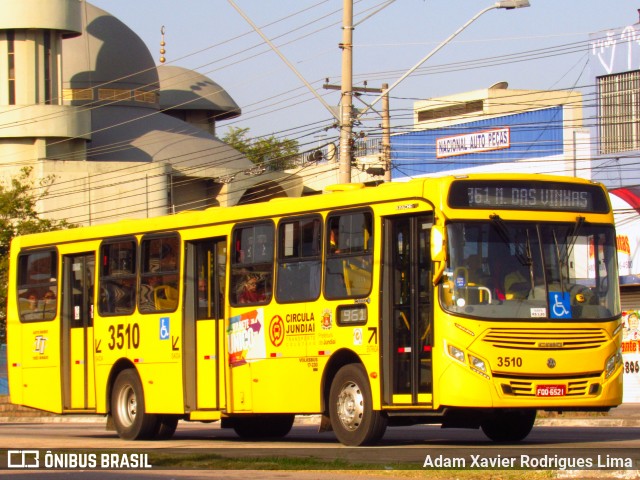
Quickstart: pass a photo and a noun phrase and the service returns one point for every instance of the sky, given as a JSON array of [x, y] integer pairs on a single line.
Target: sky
[[540, 47]]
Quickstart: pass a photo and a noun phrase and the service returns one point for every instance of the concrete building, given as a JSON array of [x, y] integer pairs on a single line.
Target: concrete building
[[83, 105], [494, 129], [614, 60]]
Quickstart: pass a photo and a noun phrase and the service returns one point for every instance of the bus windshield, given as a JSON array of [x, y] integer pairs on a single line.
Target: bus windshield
[[526, 270]]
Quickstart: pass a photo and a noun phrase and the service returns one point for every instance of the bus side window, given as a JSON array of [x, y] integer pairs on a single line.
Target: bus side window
[[299, 249], [159, 273], [252, 265], [349, 260], [37, 285], [117, 278]]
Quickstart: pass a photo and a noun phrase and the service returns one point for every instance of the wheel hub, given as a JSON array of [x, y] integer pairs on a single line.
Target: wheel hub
[[350, 406], [128, 405]]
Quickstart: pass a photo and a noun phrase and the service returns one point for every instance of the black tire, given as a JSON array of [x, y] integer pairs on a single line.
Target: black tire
[[263, 426], [128, 408], [509, 425], [167, 425], [353, 419]]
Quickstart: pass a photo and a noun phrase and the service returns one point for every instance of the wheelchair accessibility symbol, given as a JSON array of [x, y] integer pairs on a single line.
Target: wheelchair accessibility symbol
[[560, 304], [164, 328]]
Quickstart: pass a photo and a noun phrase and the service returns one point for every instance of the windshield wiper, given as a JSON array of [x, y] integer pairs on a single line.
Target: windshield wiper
[[560, 261], [523, 255], [571, 239], [530, 264]]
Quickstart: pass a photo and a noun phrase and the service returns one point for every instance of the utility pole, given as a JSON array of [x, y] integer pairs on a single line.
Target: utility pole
[[386, 133], [346, 98], [345, 116], [386, 125]]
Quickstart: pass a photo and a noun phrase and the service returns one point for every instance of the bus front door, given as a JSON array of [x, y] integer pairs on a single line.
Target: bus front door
[[407, 324], [204, 325], [77, 332]]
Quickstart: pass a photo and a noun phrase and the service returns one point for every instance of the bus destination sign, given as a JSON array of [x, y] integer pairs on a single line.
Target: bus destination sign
[[522, 195]]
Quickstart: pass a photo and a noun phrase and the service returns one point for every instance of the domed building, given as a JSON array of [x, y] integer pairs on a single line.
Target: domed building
[[120, 136]]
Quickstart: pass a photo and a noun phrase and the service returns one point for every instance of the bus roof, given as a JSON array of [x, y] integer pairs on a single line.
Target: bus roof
[[336, 196]]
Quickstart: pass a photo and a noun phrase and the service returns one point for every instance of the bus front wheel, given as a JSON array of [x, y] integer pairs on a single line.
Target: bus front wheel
[[128, 409], [353, 419], [509, 425]]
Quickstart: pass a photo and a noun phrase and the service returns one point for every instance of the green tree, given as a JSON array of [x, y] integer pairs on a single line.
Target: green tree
[[278, 154], [18, 216]]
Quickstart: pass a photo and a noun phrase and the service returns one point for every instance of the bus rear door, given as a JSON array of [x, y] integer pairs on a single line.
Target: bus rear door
[[407, 324], [77, 331]]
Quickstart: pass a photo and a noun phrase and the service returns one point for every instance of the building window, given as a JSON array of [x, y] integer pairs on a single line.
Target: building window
[[144, 96], [48, 68], [619, 104], [11, 54], [114, 94], [71, 94], [455, 110]]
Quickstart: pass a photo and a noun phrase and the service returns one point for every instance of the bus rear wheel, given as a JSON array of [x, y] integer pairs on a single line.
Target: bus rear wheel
[[128, 408], [509, 425], [353, 419], [263, 426], [166, 427]]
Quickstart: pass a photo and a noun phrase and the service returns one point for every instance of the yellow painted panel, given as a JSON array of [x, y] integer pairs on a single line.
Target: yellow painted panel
[[286, 385], [162, 385], [91, 378], [203, 416], [102, 374], [207, 358], [401, 399], [41, 380], [42, 388], [240, 378], [156, 354], [222, 366], [77, 363]]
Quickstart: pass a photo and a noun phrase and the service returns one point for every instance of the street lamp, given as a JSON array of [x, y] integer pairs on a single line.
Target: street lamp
[[505, 4], [509, 4]]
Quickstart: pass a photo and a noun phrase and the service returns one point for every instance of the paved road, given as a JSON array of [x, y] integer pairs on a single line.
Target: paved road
[[408, 444], [579, 436]]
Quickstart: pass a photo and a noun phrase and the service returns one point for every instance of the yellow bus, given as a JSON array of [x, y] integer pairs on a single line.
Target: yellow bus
[[470, 302]]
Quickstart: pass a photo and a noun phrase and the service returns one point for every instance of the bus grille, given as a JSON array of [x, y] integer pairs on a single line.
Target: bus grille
[[545, 338], [524, 388]]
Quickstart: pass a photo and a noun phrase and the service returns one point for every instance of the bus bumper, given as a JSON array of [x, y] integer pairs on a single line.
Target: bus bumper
[[476, 390]]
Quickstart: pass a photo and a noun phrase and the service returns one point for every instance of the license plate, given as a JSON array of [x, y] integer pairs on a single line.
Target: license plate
[[551, 391]]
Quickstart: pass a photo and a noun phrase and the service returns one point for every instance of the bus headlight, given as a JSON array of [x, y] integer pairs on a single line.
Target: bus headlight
[[456, 353], [477, 363], [612, 363]]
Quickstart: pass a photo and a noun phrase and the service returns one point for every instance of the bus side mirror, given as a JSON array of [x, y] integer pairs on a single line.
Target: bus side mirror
[[438, 252]]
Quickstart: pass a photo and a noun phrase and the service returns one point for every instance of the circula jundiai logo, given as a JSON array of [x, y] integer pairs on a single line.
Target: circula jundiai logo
[[276, 331]]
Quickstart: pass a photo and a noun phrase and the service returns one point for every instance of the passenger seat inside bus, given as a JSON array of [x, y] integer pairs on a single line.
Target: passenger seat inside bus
[[165, 297], [357, 280]]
